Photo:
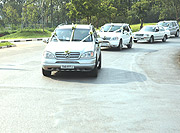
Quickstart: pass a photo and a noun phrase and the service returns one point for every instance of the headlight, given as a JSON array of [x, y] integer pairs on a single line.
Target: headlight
[[115, 38], [48, 55], [89, 54]]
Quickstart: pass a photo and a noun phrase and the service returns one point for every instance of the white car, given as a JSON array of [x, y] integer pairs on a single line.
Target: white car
[[150, 34], [72, 48], [116, 35]]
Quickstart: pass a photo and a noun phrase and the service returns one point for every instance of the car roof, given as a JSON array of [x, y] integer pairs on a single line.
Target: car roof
[[167, 21], [79, 26]]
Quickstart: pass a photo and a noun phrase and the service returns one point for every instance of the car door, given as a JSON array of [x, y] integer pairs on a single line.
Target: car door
[[126, 34], [161, 32], [171, 28], [156, 33]]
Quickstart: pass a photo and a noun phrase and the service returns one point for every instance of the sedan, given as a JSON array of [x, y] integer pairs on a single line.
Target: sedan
[[150, 34]]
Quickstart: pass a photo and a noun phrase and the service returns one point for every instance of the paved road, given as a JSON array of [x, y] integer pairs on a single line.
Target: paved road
[[137, 90]]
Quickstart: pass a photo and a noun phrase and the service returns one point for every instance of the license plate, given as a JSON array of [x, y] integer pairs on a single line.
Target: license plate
[[67, 67]]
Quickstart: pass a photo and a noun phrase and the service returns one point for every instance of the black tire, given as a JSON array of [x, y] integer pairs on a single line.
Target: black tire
[[94, 72], [130, 44], [46, 73], [177, 34], [120, 45], [99, 62], [164, 38], [151, 40], [135, 41]]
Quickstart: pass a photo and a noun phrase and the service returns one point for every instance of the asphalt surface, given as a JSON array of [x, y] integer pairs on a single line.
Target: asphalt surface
[[137, 90]]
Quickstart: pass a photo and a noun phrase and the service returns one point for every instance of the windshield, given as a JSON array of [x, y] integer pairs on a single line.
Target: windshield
[[163, 24], [111, 28], [148, 29], [75, 35]]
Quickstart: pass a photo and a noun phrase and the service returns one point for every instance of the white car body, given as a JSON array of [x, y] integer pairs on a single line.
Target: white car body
[[69, 55], [112, 38], [157, 33]]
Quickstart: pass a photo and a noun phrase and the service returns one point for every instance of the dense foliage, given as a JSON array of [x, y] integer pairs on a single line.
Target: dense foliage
[[49, 13]]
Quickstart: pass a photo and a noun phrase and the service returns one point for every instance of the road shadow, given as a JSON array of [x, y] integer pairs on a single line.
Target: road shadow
[[105, 76], [132, 50]]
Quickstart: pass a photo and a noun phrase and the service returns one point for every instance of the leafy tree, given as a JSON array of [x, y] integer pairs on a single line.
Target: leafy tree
[[168, 9], [11, 15], [140, 10], [83, 9]]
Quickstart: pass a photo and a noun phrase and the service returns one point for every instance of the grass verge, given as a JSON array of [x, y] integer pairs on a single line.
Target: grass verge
[[136, 27], [6, 44], [27, 34]]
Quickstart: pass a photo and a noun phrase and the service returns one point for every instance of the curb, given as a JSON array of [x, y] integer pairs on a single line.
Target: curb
[[8, 46], [21, 40]]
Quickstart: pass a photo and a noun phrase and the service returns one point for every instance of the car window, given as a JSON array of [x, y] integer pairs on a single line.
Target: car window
[[165, 24], [125, 28], [148, 29], [78, 35], [111, 28], [161, 29]]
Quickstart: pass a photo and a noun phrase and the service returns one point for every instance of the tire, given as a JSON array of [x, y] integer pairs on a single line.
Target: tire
[[99, 62], [164, 38], [135, 41], [46, 73], [177, 34], [151, 40], [94, 72], [120, 45], [130, 44]]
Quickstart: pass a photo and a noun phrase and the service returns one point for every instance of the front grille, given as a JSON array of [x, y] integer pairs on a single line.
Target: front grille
[[139, 34], [106, 38], [71, 55], [66, 62]]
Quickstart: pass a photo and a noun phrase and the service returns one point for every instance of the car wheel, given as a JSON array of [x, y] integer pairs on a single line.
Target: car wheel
[[135, 41], [94, 72], [120, 45], [130, 44], [177, 34], [164, 38], [151, 40], [99, 62], [46, 73]]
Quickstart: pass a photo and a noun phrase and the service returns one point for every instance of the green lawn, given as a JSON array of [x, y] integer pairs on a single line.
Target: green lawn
[[27, 34], [5, 44], [136, 27]]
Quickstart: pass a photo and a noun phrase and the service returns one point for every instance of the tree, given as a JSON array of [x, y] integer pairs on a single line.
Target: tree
[[83, 9], [140, 10], [11, 15], [168, 9]]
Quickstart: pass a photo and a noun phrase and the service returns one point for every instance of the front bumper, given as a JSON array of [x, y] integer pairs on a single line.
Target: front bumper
[[109, 43], [68, 65]]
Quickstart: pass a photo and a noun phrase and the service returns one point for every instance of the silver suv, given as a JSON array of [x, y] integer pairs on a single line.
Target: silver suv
[[72, 48], [172, 26]]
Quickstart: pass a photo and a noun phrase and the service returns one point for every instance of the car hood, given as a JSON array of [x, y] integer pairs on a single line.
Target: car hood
[[108, 34], [69, 46]]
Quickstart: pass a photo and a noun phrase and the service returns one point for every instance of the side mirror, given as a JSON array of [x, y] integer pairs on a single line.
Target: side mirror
[[156, 30], [46, 40]]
